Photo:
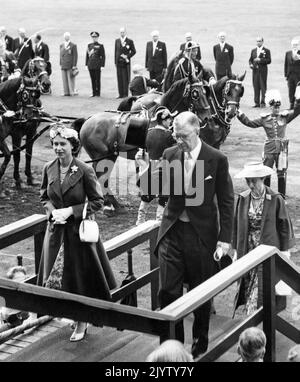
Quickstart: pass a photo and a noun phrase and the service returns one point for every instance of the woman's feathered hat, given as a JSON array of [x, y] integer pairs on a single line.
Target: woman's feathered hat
[[255, 170]]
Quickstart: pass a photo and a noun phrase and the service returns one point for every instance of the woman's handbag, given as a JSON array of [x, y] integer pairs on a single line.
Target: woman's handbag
[[88, 229], [75, 71]]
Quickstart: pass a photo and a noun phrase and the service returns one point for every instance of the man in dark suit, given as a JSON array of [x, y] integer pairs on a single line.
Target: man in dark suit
[[156, 57], [188, 37], [194, 222], [9, 41], [68, 58], [259, 60], [292, 69], [95, 60], [124, 50], [42, 50], [223, 54], [22, 48]]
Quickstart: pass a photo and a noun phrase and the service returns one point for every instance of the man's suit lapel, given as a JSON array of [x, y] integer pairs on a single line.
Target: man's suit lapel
[[72, 177]]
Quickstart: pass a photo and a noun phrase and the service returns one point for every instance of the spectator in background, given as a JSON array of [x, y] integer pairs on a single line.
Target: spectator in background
[[259, 60], [294, 354], [156, 57], [170, 351], [124, 50], [95, 60], [188, 37], [68, 62], [9, 41], [252, 345], [8, 64], [223, 54], [292, 69], [42, 50], [22, 48], [140, 83]]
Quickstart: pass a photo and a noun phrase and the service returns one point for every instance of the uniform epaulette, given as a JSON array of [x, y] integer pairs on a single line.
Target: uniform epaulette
[[181, 61], [265, 115]]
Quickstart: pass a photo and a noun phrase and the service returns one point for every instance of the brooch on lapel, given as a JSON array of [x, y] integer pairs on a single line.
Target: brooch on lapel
[[74, 169]]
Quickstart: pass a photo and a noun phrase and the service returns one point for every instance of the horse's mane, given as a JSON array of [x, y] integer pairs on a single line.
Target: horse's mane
[[218, 87], [9, 87], [168, 79], [176, 89]]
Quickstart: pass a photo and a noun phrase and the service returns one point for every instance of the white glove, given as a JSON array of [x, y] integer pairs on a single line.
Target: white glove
[[9, 113], [297, 92], [221, 250], [61, 215], [212, 81], [142, 159]]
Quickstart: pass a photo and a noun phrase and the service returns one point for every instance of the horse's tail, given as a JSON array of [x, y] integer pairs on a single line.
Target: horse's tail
[[126, 104]]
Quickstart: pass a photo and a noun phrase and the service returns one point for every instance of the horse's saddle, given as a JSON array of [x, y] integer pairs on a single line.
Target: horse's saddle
[[137, 131]]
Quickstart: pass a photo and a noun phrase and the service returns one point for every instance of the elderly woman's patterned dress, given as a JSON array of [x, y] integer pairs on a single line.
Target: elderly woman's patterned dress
[[251, 280]]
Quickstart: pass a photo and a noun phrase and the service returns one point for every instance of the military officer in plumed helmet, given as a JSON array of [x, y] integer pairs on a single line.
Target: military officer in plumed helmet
[[95, 60]]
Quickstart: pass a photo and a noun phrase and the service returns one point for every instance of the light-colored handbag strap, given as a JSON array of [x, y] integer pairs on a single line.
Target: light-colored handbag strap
[[84, 211]]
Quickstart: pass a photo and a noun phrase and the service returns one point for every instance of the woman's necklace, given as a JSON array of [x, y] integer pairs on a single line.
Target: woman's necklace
[[64, 169]]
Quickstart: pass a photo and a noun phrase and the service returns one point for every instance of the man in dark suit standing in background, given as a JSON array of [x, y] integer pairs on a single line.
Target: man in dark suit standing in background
[[124, 50], [223, 54], [95, 60], [188, 38], [192, 226], [22, 48], [42, 50], [292, 69], [9, 41], [156, 57], [68, 58], [259, 60]]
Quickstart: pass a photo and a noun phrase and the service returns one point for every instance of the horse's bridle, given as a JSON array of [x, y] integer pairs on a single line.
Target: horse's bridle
[[25, 94], [192, 94]]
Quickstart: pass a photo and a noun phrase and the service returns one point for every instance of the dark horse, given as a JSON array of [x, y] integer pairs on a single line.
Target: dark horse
[[224, 99], [21, 96], [105, 134]]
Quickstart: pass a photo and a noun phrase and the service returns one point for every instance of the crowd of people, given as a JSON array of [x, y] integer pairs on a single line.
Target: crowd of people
[[19, 50]]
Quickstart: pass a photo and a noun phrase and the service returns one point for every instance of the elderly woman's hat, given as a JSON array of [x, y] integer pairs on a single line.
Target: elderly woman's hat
[[163, 113], [137, 68], [255, 170]]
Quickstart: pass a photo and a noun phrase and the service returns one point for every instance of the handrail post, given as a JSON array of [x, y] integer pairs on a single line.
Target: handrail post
[[38, 246], [153, 265], [269, 308], [171, 335]]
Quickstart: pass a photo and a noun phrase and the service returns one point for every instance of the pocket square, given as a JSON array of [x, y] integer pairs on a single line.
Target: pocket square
[[208, 177]]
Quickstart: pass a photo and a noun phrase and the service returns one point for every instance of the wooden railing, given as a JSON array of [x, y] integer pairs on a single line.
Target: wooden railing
[[62, 304]]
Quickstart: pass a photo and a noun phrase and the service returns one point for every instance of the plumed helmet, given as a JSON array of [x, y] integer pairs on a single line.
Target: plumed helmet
[[273, 97]]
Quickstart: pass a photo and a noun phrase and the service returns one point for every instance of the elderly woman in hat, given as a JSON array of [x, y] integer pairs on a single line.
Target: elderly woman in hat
[[276, 144], [158, 139], [140, 83], [261, 217], [66, 262]]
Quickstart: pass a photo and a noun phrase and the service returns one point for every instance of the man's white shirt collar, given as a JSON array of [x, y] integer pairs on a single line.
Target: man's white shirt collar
[[196, 151]]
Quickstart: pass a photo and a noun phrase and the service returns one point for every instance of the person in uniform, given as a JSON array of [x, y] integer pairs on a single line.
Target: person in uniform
[[124, 50], [42, 50], [292, 69], [276, 144], [156, 57], [8, 64], [224, 55], [189, 63], [22, 48], [140, 83], [259, 60], [95, 60], [9, 41], [158, 139], [188, 37]]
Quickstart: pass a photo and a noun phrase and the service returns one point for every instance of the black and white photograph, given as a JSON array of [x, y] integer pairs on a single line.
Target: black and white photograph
[[149, 184]]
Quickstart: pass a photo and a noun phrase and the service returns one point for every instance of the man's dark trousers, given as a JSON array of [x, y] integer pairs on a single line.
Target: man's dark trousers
[[95, 75], [123, 76], [260, 84], [292, 84], [182, 256]]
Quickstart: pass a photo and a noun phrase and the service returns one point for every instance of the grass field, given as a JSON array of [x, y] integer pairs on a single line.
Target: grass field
[[277, 21]]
